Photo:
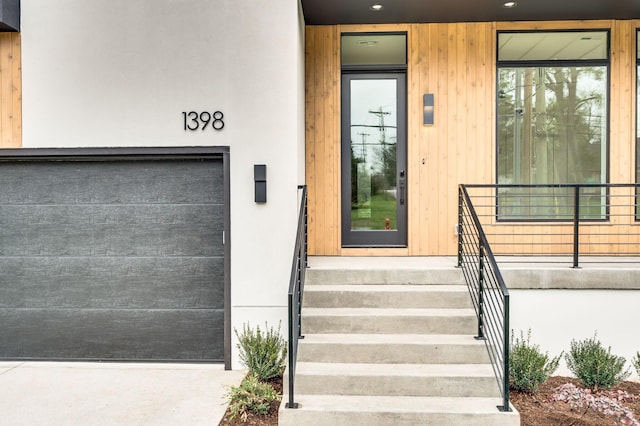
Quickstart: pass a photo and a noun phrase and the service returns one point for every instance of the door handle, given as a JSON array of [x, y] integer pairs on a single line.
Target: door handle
[[401, 185]]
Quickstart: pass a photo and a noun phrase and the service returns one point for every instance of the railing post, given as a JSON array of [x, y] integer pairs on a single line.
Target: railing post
[[300, 293], [303, 261], [576, 226], [306, 227], [292, 354], [480, 335], [505, 351], [460, 211]]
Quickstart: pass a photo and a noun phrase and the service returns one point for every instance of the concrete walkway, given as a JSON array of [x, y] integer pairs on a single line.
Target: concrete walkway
[[64, 393]]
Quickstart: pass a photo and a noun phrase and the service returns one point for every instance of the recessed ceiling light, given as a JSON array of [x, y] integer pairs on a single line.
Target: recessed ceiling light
[[509, 4], [376, 7]]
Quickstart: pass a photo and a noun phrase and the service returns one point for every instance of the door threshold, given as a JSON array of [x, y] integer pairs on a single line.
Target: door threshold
[[374, 251]]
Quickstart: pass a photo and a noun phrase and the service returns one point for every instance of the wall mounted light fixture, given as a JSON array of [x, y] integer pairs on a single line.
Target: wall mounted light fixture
[[427, 103], [260, 180]]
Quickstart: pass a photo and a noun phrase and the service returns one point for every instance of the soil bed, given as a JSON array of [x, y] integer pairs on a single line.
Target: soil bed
[[540, 409], [535, 410], [270, 419]]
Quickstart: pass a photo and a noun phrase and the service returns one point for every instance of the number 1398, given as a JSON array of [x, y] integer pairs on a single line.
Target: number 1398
[[193, 120]]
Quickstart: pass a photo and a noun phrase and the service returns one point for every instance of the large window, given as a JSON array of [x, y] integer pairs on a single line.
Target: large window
[[552, 122], [637, 122]]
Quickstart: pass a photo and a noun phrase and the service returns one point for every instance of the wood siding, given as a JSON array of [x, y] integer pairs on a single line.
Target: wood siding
[[10, 90], [457, 63], [323, 138]]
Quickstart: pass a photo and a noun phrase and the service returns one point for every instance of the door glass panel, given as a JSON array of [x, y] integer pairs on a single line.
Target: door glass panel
[[374, 122]]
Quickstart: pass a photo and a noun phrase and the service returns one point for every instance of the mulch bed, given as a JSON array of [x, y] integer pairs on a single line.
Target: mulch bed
[[535, 410], [540, 409], [270, 419]]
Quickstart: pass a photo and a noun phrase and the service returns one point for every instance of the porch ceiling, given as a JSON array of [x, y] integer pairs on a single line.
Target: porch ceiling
[[331, 12]]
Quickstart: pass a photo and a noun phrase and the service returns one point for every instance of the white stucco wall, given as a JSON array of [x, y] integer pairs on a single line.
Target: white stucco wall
[[102, 73], [556, 317]]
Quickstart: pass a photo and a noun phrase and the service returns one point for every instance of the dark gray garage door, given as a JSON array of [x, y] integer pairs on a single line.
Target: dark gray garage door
[[112, 258]]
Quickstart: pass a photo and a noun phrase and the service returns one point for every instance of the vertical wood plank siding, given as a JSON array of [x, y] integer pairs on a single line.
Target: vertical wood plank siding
[[10, 90], [457, 63], [323, 137]]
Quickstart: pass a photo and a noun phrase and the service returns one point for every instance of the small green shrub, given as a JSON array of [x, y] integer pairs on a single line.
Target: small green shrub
[[263, 353], [528, 366], [251, 396], [636, 363], [594, 366]]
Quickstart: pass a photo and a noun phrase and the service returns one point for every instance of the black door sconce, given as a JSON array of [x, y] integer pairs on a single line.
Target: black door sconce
[[260, 180], [428, 103]]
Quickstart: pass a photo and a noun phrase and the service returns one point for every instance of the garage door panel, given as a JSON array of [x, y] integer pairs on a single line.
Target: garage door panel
[[161, 283], [111, 334], [92, 215], [107, 230], [110, 182], [112, 258]]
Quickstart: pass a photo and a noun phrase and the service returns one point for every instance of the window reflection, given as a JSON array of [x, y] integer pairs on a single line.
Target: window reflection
[[373, 154], [552, 128]]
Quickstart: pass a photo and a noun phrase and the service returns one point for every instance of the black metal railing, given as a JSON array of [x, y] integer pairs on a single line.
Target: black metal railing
[[296, 291], [488, 291], [562, 222]]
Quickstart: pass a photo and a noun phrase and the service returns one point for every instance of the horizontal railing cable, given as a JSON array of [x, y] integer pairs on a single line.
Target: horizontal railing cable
[[544, 223], [573, 223], [489, 294]]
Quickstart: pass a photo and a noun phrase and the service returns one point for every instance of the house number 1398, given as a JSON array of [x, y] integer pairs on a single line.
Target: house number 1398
[[193, 120]]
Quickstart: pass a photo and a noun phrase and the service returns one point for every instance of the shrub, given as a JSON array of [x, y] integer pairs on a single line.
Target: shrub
[[263, 353], [636, 363], [251, 396], [528, 367], [594, 366]]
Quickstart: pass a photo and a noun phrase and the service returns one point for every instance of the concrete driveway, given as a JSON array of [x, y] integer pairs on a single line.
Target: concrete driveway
[[63, 393]]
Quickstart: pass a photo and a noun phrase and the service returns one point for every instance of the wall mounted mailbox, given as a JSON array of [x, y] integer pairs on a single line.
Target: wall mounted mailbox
[[428, 103], [260, 180]]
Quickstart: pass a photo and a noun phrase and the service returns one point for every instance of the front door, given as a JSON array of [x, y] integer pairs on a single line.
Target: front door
[[374, 160]]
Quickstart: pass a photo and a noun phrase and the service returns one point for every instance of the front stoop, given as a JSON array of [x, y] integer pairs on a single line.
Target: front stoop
[[356, 410], [391, 347]]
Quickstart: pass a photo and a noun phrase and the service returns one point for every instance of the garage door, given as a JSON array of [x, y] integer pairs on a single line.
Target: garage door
[[112, 257]]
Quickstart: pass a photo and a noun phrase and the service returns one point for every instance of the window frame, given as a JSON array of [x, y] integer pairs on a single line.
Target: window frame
[[637, 127], [500, 64], [373, 67]]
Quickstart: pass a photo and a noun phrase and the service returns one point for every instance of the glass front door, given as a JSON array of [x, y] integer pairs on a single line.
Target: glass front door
[[374, 158]]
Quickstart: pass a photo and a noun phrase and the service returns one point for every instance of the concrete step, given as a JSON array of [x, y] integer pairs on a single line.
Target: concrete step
[[392, 349], [457, 380], [322, 410], [367, 275], [371, 320], [386, 296], [390, 342]]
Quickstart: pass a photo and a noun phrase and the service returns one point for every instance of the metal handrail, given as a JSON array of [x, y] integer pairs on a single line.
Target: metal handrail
[[488, 291], [561, 220], [296, 291]]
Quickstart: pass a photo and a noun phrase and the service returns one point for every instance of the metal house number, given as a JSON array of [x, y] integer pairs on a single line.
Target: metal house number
[[193, 120]]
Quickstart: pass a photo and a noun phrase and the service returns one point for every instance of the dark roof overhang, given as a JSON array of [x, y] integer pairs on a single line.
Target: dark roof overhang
[[332, 12]]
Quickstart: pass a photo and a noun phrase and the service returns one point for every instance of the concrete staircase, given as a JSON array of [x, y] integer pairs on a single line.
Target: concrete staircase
[[391, 347]]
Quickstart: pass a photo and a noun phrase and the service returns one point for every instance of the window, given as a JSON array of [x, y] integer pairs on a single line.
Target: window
[[367, 49], [637, 122], [552, 118]]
